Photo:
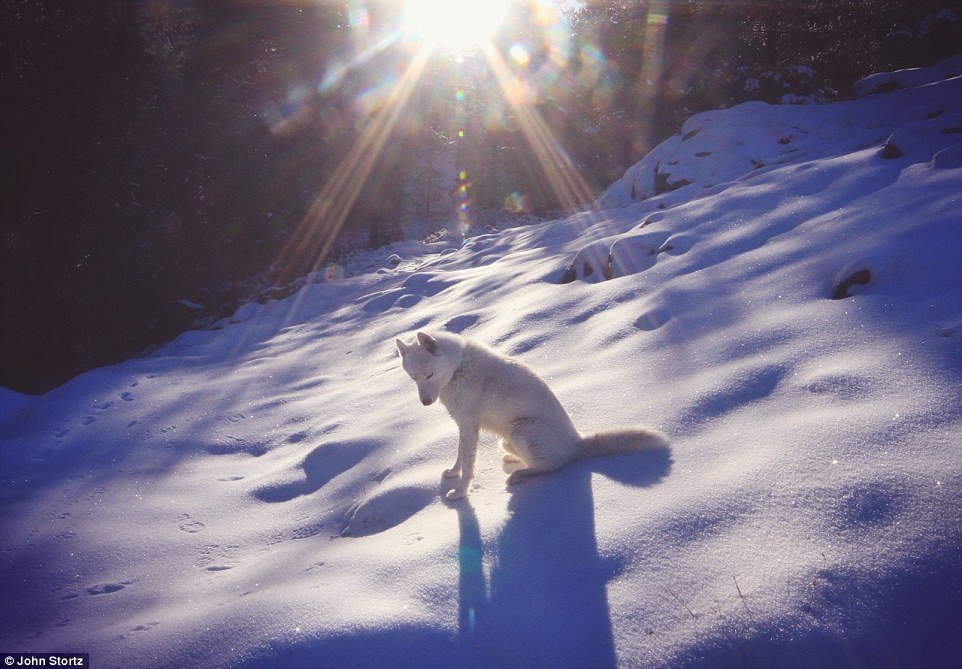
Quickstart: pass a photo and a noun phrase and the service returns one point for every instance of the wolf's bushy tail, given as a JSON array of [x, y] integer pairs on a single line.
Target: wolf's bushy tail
[[621, 441]]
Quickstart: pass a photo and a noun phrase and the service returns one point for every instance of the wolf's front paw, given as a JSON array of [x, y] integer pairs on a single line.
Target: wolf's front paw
[[510, 459], [457, 493], [454, 472]]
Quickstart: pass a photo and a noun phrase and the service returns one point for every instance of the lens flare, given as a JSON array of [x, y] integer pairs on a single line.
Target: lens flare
[[520, 55], [517, 203]]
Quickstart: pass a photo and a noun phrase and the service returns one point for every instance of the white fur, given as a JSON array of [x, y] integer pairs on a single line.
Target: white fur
[[483, 390]]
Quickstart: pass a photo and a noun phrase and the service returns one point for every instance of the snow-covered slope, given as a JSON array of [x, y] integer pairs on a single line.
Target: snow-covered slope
[[718, 148], [269, 494]]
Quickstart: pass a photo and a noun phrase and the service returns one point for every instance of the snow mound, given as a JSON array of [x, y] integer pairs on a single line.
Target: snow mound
[[885, 82], [12, 404]]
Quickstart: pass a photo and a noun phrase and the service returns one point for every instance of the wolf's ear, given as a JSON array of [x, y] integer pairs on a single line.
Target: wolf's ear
[[429, 343], [402, 348]]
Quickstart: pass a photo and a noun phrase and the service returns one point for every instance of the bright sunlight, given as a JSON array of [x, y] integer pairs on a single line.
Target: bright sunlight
[[456, 24]]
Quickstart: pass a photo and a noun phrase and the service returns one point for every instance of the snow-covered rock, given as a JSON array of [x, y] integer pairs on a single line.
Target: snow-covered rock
[[885, 82]]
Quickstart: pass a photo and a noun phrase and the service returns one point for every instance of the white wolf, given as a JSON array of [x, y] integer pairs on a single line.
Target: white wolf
[[482, 389]]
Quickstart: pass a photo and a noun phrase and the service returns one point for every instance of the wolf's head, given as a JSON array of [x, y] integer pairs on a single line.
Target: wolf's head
[[429, 362]]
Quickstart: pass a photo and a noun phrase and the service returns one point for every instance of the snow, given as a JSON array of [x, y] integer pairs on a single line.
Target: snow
[[912, 77], [269, 493], [717, 148]]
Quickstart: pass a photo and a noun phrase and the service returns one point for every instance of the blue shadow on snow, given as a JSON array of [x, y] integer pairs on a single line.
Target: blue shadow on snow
[[545, 603]]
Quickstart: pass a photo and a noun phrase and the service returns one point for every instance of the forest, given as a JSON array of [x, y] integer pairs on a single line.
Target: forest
[[165, 160]]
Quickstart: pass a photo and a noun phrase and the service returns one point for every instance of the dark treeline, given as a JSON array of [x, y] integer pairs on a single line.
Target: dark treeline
[[165, 150]]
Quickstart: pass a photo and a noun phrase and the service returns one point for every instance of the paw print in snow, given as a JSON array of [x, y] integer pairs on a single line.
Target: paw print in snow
[[189, 525]]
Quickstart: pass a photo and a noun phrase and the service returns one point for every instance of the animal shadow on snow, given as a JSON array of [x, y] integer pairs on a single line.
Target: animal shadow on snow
[[543, 604], [546, 602]]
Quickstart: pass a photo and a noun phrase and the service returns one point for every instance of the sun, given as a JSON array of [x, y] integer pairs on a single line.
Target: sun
[[456, 24]]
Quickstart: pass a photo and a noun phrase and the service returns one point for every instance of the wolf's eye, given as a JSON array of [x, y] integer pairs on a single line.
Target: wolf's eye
[[429, 376]]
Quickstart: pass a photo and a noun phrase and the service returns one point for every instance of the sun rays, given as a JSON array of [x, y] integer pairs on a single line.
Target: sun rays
[[320, 226], [524, 67], [563, 176]]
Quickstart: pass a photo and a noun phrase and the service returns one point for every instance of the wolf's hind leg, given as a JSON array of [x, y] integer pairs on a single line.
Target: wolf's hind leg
[[525, 450], [520, 475], [511, 455], [542, 448]]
